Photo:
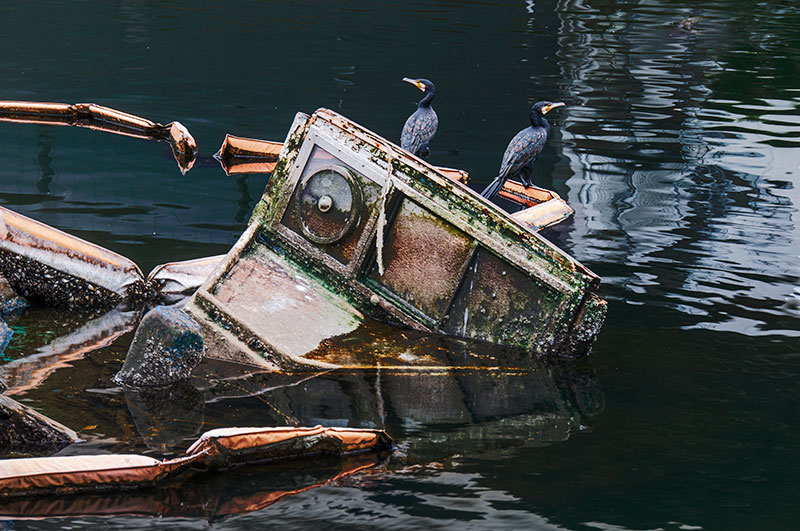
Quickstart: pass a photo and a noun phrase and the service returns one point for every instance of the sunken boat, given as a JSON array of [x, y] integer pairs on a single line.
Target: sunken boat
[[353, 233], [353, 239]]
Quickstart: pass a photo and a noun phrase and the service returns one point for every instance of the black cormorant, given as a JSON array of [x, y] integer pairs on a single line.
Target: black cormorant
[[420, 126], [523, 150]]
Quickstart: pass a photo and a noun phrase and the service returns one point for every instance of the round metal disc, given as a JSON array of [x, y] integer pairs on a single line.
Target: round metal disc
[[329, 205]]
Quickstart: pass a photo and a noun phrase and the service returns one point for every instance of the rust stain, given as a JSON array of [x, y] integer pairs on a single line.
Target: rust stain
[[454, 174], [424, 259]]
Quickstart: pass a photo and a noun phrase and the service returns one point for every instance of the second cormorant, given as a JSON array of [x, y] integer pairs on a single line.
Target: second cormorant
[[523, 150], [420, 126]]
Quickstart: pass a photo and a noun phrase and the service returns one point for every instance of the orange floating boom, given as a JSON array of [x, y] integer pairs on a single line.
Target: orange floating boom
[[99, 118], [220, 448]]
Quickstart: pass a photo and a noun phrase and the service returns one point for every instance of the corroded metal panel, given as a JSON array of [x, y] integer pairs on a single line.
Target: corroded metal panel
[[281, 304], [498, 302], [331, 205], [425, 258]]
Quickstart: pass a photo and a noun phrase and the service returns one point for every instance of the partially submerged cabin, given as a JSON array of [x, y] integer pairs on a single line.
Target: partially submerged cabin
[[353, 231]]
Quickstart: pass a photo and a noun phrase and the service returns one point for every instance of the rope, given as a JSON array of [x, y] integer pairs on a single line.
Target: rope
[[387, 185]]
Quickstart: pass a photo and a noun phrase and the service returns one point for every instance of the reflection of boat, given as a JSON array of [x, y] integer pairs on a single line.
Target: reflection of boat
[[29, 372], [437, 414], [211, 496], [463, 402]]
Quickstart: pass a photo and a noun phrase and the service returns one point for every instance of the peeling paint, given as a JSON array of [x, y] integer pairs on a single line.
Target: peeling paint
[[536, 310]]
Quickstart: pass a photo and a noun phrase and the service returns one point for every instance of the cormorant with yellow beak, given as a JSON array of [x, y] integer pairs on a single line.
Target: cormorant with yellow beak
[[420, 126], [523, 150]]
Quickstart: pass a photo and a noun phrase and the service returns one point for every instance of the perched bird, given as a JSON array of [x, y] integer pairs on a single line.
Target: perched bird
[[420, 126], [523, 150]]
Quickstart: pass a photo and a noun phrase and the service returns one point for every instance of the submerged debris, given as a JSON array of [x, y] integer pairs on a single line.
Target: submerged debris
[[172, 347], [5, 337], [317, 263], [10, 302], [24, 431], [351, 231], [352, 238]]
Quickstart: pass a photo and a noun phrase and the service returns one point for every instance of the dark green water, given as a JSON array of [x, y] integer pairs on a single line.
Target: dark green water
[[679, 150]]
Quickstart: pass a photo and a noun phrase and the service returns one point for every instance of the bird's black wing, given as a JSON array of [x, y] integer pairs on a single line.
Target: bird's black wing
[[523, 148], [419, 130]]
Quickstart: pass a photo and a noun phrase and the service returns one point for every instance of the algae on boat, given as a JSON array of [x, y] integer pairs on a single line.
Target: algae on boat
[[351, 232], [317, 262]]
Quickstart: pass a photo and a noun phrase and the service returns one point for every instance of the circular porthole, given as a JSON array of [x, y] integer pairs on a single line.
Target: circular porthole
[[330, 204]]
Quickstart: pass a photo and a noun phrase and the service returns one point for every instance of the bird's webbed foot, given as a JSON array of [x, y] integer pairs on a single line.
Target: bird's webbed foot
[[524, 175]]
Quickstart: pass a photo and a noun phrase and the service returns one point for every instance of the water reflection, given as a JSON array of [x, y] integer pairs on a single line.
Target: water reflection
[[433, 414], [463, 405], [167, 417], [39, 331], [677, 179], [45, 158], [209, 497]]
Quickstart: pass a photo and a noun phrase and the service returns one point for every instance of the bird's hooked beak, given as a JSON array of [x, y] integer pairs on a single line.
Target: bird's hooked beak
[[416, 82], [548, 108]]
